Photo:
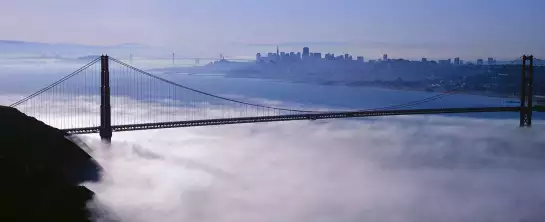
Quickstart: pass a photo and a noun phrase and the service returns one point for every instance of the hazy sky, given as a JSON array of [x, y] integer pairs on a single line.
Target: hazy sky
[[434, 28]]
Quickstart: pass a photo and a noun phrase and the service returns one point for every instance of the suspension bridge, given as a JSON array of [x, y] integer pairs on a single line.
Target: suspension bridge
[[107, 95]]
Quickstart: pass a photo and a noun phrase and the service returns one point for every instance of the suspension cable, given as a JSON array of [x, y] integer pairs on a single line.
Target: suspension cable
[[55, 83], [205, 93], [403, 105], [416, 102]]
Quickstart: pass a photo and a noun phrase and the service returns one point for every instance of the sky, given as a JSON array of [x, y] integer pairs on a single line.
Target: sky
[[412, 29]]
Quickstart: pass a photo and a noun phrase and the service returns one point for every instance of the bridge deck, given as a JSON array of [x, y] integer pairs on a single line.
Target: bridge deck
[[310, 116]]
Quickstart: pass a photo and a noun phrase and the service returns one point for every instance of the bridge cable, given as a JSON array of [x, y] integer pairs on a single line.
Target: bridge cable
[[409, 104], [432, 98], [416, 102], [55, 83], [205, 93]]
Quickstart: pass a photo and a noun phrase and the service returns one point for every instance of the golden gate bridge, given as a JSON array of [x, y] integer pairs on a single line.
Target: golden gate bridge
[[107, 95]]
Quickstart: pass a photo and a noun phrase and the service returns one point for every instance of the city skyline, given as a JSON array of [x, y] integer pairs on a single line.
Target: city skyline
[[306, 53], [469, 29], [16, 49]]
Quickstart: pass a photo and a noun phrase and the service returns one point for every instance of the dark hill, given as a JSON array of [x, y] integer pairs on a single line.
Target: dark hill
[[41, 169]]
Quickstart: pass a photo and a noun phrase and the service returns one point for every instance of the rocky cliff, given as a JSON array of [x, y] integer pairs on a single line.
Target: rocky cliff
[[41, 169]]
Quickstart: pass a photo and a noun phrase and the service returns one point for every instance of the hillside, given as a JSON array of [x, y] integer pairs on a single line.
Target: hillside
[[41, 171]]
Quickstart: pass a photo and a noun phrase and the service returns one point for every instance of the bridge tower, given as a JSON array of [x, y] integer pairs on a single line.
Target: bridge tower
[[526, 94], [105, 108]]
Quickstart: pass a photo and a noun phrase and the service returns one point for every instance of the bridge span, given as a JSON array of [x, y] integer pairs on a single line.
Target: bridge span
[[314, 116], [113, 81]]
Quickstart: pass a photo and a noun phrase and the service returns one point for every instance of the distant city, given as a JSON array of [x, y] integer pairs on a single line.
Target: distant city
[[489, 77], [275, 57]]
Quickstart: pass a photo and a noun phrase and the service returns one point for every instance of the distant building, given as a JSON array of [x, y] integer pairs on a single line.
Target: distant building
[[258, 57], [283, 56], [457, 61], [480, 62], [424, 60], [385, 57], [540, 100], [329, 56], [299, 55], [360, 58], [491, 61], [444, 62], [306, 52]]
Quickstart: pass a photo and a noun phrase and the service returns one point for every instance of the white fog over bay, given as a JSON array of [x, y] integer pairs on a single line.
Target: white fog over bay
[[474, 167]]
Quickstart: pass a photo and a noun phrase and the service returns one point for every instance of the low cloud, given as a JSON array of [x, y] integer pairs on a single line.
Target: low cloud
[[428, 168]]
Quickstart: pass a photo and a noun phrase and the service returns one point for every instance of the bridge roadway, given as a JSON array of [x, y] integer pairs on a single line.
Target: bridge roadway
[[308, 116]]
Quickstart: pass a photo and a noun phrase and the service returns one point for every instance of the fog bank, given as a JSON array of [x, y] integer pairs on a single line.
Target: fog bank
[[425, 168]]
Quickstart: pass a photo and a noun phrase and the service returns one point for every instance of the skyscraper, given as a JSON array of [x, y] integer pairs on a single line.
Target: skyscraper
[[306, 52], [385, 57], [457, 61]]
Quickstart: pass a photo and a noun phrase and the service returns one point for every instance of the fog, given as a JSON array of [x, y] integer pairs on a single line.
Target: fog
[[405, 168], [425, 168]]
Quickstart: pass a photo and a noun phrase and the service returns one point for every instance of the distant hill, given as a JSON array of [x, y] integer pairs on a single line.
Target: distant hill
[[49, 50]]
